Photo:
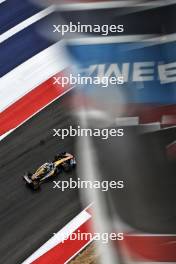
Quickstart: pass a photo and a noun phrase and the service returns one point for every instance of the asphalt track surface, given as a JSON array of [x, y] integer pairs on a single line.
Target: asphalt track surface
[[29, 218]]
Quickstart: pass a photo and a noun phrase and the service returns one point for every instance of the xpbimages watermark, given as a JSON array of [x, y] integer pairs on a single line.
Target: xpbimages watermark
[[103, 133], [80, 28], [88, 236], [104, 186], [78, 79]]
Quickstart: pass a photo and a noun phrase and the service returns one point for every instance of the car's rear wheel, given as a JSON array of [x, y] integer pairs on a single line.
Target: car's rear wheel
[[29, 174], [35, 185]]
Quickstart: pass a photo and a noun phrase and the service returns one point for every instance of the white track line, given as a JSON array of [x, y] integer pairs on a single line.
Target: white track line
[[31, 20]]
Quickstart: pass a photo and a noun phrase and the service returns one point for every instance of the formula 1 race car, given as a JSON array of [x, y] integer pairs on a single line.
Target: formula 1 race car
[[62, 162]]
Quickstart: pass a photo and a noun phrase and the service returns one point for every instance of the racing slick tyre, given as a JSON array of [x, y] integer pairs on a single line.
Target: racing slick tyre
[[59, 156], [72, 164], [55, 158], [35, 185], [29, 174], [66, 166], [58, 170]]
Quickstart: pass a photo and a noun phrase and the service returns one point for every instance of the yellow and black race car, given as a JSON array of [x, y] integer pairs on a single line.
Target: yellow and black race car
[[63, 161]]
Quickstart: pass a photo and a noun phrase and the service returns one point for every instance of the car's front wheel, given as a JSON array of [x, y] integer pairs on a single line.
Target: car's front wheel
[[58, 170], [73, 163], [66, 167]]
